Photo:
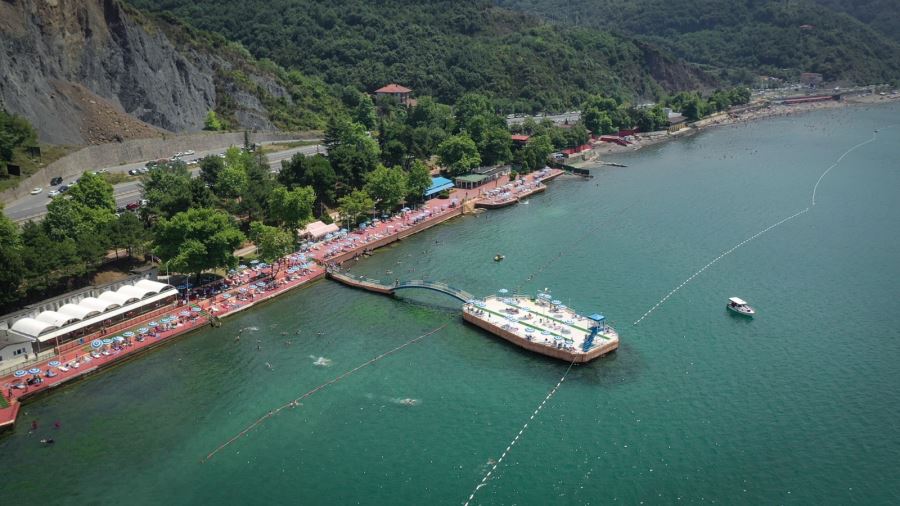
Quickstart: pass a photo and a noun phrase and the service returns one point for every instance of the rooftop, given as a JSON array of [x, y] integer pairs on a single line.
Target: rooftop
[[393, 88]]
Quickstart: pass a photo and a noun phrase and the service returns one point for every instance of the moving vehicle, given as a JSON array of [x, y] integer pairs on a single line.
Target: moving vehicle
[[36, 190], [56, 181], [740, 307]]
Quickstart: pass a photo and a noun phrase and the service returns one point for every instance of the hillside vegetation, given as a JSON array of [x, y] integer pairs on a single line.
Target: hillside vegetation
[[742, 38], [442, 49]]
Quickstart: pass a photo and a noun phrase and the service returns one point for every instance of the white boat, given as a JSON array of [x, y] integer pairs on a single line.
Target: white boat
[[740, 307]]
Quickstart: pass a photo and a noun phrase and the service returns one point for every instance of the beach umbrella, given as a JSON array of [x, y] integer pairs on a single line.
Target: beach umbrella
[[254, 261], [119, 339], [184, 313], [232, 271], [545, 332], [261, 284], [34, 370], [242, 289], [53, 363], [143, 330], [556, 302], [128, 334], [226, 295], [242, 267], [562, 306], [558, 338], [569, 322], [196, 309], [107, 341], [153, 324], [529, 329], [96, 343], [19, 373]]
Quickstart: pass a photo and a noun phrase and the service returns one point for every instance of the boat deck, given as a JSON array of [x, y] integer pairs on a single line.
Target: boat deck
[[542, 327]]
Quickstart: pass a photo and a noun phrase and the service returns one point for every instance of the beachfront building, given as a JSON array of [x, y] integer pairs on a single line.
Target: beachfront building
[[438, 184], [401, 94], [481, 176], [14, 348], [55, 321]]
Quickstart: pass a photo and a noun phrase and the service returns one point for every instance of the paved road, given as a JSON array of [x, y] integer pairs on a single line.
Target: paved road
[[35, 206], [559, 119]]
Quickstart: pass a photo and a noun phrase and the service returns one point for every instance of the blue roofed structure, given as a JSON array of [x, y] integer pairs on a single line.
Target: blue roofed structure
[[438, 184]]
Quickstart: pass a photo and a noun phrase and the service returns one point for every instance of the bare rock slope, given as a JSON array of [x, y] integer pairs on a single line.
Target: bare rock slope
[[92, 71]]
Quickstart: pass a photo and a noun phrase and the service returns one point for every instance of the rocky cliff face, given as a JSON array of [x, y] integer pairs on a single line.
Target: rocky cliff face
[[88, 71]]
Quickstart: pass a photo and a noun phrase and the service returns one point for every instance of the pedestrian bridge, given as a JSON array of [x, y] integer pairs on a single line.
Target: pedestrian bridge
[[375, 285]]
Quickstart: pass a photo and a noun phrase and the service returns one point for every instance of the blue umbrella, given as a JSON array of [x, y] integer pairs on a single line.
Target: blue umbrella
[[545, 332], [254, 262], [153, 324], [556, 302], [242, 289], [34, 370], [107, 341], [128, 334], [529, 329], [119, 339], [19, 373], [184, 313], [196, 309], [143, 330], [226, 295], [53, 363], [96, 343], [261, 284]]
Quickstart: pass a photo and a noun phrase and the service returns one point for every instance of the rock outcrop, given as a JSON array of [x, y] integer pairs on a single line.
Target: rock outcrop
[[93, 71]]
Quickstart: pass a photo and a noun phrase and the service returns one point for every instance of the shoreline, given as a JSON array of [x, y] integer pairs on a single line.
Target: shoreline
[[221, 305], [726, 118]]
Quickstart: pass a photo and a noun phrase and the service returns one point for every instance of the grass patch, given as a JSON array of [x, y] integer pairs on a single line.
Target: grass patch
[[3, 403], [115, 178], [284, 146]]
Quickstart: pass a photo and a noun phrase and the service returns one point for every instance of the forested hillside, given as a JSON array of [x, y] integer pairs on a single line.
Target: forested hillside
[[741, 38], [442, 48]]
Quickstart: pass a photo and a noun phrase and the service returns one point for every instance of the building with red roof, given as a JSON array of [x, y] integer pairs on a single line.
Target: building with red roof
[[401, 93]]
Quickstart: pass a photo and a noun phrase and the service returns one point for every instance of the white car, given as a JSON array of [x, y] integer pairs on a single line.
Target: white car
[[37, 190], [53, 193], [189, 152]]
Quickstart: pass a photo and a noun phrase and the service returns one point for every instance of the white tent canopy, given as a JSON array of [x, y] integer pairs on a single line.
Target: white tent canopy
[[56, 319], [31, 327], [78, 311], [317, 230]]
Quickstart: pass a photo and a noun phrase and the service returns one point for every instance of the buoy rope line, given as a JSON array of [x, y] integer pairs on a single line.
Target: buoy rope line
[[761, 232], [714, 260], [515, 440], [296, 402]]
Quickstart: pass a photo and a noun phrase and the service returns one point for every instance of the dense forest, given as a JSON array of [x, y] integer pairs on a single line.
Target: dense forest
[[739, 39], [441, 49]]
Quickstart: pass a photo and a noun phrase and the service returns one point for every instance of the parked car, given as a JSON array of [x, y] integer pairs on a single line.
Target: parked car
[[53, 193], [134, 172], [120, 210], [56, 181], [143, 202], [131, 206], [35, 191], [64, 188]]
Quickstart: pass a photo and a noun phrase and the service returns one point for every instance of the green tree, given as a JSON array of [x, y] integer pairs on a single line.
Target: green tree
[[535, 153], [210, 168], [290, 209], [459, 154], [212, 122], [355, 205], [495, 146], [94, 192], [69, 218], [364, 112], [12, 268], [168, 191], [197, 239], [272, 243], [418, 179], [128, 232], [387, 186], [232, 182], [352, 151], [15, 132]]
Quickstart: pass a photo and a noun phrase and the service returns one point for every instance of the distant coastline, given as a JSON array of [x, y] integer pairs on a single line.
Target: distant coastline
[[595, 156]]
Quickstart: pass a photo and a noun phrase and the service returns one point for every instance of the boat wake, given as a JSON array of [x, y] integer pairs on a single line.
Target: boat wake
[[321, 361]]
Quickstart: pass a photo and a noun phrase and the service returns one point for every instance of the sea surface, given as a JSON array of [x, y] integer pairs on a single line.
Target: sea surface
[[800, 405]]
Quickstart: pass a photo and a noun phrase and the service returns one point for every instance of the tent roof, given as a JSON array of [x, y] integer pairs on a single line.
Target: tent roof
[[438, 184], [31, 327], [472, 178]]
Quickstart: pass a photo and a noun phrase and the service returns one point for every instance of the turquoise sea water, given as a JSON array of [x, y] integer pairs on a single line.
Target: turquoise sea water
[[799, 405]]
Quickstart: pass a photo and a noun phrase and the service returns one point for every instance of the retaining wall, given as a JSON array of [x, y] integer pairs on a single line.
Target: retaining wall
[[139, 150]]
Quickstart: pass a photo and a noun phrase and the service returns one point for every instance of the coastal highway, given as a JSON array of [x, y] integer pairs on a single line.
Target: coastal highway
[[32, 207], [559, 119]]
